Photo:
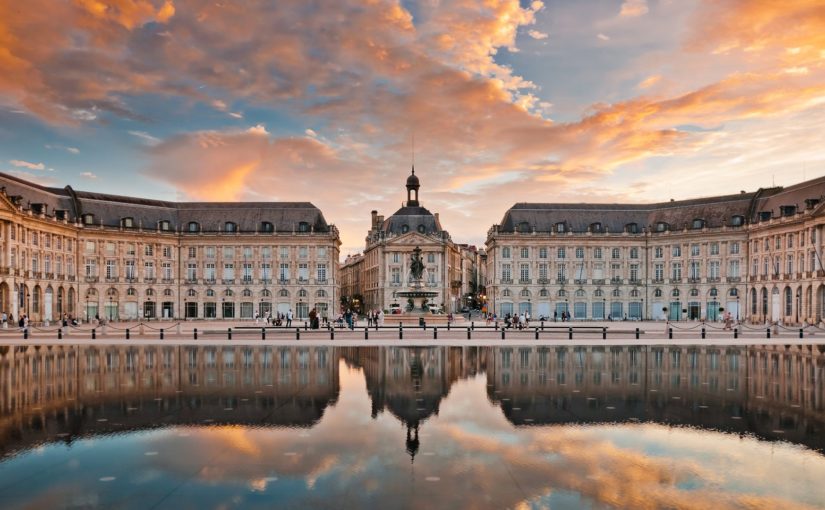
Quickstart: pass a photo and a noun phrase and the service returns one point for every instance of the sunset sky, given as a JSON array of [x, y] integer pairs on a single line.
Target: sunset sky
[[635, 100]]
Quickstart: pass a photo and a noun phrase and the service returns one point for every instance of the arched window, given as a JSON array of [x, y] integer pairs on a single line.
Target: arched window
[[562, 293], [543, 293], [580, 293], [150, 292], [675, 293], [698, 224], [210, 293], [405, 229], [321, 293], [131, 291], [713, 292], [267, 227], [229, 227], [283, 293], [111, 292], [525, 293], [657, 293], [191, 293], [421, 229], [694, 292], [167, 292], [733, 293], [505, 293], [598, 293], [193, 226], [617, 293], [228, 293], [302, 293], [266, 293], [634, 293], [246, 293]]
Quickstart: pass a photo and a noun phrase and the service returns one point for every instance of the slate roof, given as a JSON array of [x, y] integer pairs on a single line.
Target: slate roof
[[211, 216], [412, 217]]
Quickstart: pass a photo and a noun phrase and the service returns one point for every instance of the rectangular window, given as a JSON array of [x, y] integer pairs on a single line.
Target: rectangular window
[[505, 252], [247, 252], [659, 271], [579, 253], [266, 271], [525, 253], [597, 253], [321, 270], [111, 269], [321, 252], [396, 258], [755, 267], [634, 253], [561, 273], [598, 271], [303, 252], [713, 269], [395, 275], [167, 271], [191, 271], [676, 270], [130, 270], [694, 270], [694, 250], [47, 264], [110, 248], [303, 272], [148, 269], [714, 248], [734, 248], [130, 250], [284, 252], [91, 267], [524, 272], [615, 272], [149, 250], [210, 272], [247, 272], [210, 252], [658, 252], [560, 253], [543, 272], [283, 272], [34, 238], [229, 271], [228, 252], [431, 258], [790, 240], [789, 265], [58, 241], [506, 275], [634, 272], [676, 250], [542, 253], [615, 253], [266, 252], [167, 252], [733, 269], [90, 246], [192, 252]]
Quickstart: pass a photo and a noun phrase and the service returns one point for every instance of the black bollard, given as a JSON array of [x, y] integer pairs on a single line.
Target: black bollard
[[26, 334], [703, 332], [537, 333], [297, 333], [570, 333], [468, 333], [670, 333], [161, 333], [801, 333], [306, 326], [435, 333], [769, 332], [94, 334], [229, 333], [502, 333], [332, 333], [542, 325], [735, 333], [196, 333], [263, 333], [127, 334], [473, 325], [604, 333], [637, 333], [400, 332], [448, 325], [366, 333], [59, 333]]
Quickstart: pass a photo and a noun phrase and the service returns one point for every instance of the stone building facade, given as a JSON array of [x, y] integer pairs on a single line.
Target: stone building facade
[[90, 254], [757, 255], [389, 246]]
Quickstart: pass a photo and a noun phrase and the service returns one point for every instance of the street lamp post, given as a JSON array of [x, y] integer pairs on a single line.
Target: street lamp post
[[737, 307], [111, 314], [28, 303], [604, 308], [643, 309], [87, 307]]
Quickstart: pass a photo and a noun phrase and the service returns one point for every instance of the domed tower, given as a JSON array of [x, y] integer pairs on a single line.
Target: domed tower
[[412, 185]]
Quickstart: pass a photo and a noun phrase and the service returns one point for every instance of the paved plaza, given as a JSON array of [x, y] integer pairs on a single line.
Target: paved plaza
[[461, 332]]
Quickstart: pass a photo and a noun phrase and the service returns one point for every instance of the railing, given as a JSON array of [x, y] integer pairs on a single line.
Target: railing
[[734, 279], [561, 281], [191, 281], [580, 282], [522, 281], [714, 280], [598, 281], [112, 279], [228, 281], [149, 280], [168, 281], [506, 281], [635, 281], [615, 280], [694, 280], [659, 280], [543, 281], [675, 280], [91, 279]]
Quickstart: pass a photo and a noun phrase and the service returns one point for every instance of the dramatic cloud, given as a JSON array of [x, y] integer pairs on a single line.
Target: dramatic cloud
[[535, 34], [632, 8]]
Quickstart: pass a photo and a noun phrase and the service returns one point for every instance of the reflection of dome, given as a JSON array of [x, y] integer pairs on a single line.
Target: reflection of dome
[[412, 180]]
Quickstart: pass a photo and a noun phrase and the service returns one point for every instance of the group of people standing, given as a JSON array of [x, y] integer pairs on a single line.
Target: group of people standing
[[277, 319]]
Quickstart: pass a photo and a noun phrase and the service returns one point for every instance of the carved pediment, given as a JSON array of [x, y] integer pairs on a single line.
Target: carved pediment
[[413, 239]]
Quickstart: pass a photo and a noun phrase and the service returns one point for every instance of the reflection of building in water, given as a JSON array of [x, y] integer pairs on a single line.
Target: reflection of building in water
[[771, 391], [86, 390], [410, 382]]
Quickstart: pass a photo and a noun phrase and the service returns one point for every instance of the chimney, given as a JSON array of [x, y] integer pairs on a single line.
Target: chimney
[[374, 214], [436, 219]]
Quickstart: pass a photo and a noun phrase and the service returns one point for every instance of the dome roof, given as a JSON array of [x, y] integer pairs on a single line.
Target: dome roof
[[412, 180]]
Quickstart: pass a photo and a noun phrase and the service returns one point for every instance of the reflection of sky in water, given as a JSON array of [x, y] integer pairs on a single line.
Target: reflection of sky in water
[[469, 456]]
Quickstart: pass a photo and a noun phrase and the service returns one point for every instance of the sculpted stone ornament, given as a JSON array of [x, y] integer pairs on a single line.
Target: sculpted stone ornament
[[416, 265]]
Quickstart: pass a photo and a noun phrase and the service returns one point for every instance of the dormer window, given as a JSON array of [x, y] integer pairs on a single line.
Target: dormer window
[[787, 210], [163, 225], [127, 222], [662, 227], [421, 229], [765, 215], [193, 226], [38, 208], [404, 229], [524, 227], [698, 224], [632, 228], [304, 227], [737, 220], [560, 228], [596, 228], [230, 227], [88, 219], [267, 227], [60, 214]]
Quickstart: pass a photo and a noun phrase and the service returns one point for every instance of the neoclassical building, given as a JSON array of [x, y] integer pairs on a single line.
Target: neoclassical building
[[757, 255], [92, 254], [385, 269]]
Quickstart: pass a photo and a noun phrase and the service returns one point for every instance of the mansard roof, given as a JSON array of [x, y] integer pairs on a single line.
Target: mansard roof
[[210, 216], [413, 217]]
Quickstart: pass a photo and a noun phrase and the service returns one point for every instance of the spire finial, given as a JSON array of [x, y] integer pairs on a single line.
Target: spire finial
[[413, 153]]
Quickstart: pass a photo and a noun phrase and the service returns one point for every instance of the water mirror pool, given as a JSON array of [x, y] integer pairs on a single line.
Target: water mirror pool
[[430, 427]]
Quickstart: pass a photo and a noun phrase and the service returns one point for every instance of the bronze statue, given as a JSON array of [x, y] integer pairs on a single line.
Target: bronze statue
[[417, 264]]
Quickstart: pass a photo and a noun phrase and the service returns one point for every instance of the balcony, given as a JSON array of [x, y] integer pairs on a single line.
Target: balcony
[[580, 282], [820, 273], [615, 280], [168, 281], [321, 281], [561, 281], [71, 277], [266, 281], [714, 279], [598, 281], [191, 281], [209, 281], [694, 280], [635, 281], [228, 281], [675, 280], [149, 280], [733, 279], [522, 281], [543, 281], [506, 281], [659, 281], [395, 284], [112, 279], [90, 279]]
